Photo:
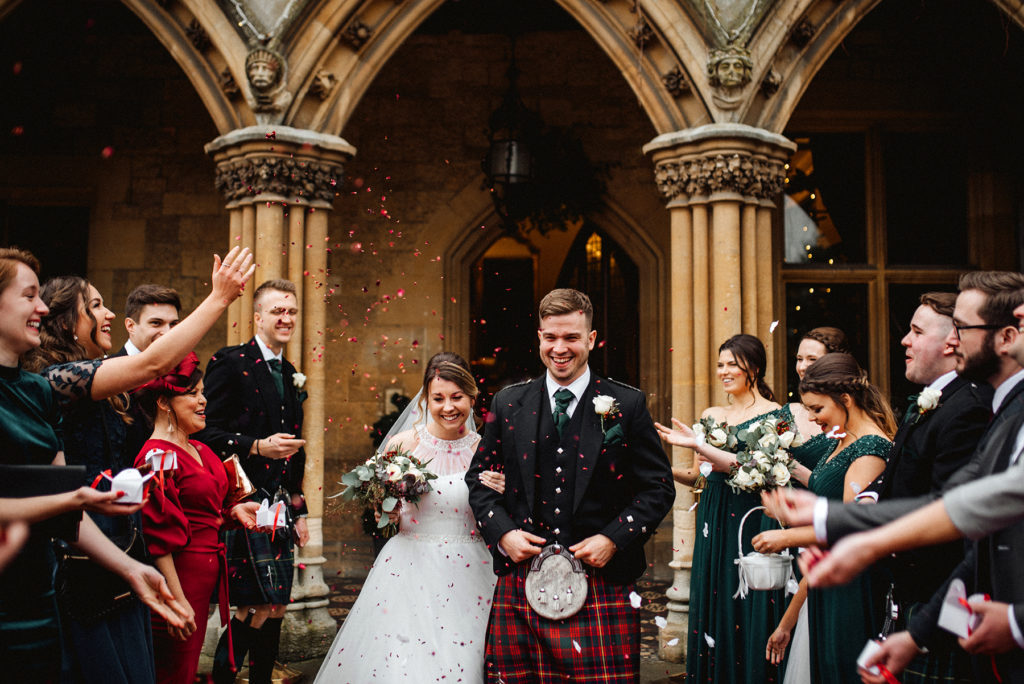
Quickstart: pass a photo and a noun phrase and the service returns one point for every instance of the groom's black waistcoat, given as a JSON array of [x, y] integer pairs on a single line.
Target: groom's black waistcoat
[[619, 480], [552, 506]]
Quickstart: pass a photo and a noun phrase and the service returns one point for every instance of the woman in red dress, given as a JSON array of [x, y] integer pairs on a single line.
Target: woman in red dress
[[184, 515]]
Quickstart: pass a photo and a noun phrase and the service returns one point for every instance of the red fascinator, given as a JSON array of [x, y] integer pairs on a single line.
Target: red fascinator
[[178, 381]]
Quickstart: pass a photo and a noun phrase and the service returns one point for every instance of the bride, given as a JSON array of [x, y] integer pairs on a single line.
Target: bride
[[422, 613]]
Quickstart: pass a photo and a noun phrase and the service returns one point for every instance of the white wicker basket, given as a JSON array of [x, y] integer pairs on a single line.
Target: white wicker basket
[[761, 571]]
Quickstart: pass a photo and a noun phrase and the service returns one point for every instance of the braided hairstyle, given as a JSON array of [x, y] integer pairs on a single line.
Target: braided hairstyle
[[836, 374], [833, 339], [752, 359]]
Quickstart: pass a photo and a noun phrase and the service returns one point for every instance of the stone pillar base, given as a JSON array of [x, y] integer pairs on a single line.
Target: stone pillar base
[[308, 631]]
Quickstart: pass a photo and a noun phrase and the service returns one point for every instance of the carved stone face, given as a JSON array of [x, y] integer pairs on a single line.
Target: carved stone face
[[263, 75], [730, 72]]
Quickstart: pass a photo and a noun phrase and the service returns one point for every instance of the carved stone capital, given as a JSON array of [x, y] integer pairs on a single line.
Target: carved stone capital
[[297, 165], [720, 158]]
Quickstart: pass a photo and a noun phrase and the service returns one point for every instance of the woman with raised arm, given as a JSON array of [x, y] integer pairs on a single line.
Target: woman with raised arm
[[109, 639], [845, 404], [715, 648]]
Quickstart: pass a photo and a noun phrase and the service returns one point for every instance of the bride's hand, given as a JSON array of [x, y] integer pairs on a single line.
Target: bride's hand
[[393, 516], [679, 435], [494, 480]]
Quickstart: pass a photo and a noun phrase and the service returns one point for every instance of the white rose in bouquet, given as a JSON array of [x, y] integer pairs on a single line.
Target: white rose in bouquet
[[393, 473], [757, 478], [780, 473], [767, 441], [699, 434], [928, 399], [786, 439], [718, 438], [742, 478], [413, 475]]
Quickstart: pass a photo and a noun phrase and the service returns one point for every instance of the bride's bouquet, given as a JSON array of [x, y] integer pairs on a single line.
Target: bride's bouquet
[[763, 458], [385, 479]]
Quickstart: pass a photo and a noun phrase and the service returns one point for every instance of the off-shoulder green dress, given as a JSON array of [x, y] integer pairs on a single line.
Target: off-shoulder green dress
[[764, 609], [842, 619], [715, 645]]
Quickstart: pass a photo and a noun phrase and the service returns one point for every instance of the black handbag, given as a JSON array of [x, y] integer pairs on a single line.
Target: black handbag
[[88, 592]]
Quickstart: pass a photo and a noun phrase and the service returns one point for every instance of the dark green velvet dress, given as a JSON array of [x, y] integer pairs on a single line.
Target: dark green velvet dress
[[30, 645], [842, 619], [715, 616], [764, 609]]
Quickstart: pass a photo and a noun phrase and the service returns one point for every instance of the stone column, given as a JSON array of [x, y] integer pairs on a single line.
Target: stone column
[[280, 184], [720, 181]]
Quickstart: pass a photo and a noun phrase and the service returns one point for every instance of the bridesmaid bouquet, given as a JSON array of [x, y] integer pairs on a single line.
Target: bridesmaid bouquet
[[763, 458], [385, 479], [720, 435]]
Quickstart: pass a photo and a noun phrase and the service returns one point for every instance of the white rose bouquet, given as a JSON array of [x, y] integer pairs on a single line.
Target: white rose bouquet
[[385, 479], [718, 435], [763, 460]]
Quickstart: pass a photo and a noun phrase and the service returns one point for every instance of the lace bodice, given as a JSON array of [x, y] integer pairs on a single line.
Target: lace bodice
[[444, 513]]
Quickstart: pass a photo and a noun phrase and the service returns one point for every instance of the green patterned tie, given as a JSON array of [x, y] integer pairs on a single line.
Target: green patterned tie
[[561, 415], [275, 371]]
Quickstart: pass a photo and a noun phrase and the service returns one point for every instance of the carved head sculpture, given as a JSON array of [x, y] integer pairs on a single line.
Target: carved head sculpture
[[730, 67], [264, 69]]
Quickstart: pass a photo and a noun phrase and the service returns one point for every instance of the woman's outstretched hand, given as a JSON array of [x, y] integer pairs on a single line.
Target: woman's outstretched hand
[[679, 434], [231, 274]]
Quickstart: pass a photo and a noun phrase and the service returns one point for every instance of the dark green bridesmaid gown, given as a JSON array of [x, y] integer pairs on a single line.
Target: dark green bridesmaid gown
[[842, 619], [764, 609], [715, 642]]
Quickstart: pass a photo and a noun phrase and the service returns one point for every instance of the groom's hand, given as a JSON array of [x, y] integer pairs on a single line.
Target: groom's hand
[[595, 551], [520, 545]]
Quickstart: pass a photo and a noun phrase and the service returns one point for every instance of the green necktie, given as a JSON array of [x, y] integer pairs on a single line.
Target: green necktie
[[912, 411], [561, 415], [275, 371]]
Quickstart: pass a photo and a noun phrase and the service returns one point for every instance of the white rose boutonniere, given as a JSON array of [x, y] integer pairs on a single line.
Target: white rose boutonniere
[[606, 407], [928, 399], [603, 405], [299, 380]]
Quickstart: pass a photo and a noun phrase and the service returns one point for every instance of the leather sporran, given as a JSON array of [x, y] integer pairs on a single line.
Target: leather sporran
[[239, 485], [556, 585], [88, 592]]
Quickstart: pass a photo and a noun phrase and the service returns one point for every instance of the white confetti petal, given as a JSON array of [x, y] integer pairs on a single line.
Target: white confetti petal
[[576, 645], [693, 506], [634, 599], [711, 642], [835, 433], [772, 327], [705, 530], [660, 622], [673, 642]]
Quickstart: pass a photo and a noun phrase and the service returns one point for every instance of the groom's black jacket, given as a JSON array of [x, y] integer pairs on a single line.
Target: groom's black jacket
[[621, 486]]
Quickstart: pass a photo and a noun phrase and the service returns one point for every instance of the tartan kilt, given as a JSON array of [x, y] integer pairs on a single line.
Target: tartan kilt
[[523, 647], [259, 571], [944, 663]]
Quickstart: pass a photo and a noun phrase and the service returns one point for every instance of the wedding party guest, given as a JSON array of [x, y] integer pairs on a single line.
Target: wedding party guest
[[843, 402], [109, 639], [149, 312], [30, 421], [255, 412], [184, 516], [433, 580], [719, 629], [985, 339], [584, 474], [772, 626]]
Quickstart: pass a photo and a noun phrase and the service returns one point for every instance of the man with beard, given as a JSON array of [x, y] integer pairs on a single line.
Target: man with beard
[[984, 335]]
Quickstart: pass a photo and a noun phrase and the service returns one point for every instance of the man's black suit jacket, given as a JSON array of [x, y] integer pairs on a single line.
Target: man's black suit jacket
[[243, 406], [926, 452], [622, 490], [139, 430]]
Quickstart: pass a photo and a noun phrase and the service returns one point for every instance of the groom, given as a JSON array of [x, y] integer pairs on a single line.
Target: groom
[[590, 477]]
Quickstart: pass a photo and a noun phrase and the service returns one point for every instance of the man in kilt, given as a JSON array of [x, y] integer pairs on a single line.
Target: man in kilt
[[584, 469], [255, 412]]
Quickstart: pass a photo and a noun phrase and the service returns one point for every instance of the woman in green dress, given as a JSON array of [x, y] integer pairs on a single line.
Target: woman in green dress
[[770, 627], [715, 643], [840, 399]]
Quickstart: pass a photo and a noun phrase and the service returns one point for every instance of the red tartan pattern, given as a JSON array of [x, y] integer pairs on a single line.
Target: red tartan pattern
[[524, 648]]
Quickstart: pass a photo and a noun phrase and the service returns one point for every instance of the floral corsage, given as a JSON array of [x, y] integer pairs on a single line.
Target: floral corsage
[[925, 402], [608, 409]]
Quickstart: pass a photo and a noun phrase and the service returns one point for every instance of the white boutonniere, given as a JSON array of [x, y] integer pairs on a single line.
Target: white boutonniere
[[299, 380], [928, 400], [606, 407]]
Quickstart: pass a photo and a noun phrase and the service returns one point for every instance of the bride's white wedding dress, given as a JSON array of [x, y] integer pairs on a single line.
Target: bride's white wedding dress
[[422, 613]]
